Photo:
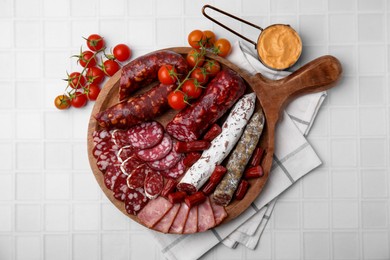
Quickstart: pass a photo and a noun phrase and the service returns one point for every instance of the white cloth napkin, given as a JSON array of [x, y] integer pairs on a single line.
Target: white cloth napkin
[[293, 158]]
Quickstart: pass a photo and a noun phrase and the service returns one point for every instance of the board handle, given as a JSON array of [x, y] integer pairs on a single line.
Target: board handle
[[318, 75]]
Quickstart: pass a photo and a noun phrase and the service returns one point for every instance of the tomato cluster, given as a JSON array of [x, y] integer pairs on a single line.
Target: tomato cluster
[[202, 69], [97, 65]]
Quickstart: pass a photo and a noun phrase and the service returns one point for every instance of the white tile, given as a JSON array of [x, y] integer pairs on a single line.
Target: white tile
[[344, 184], [86, 246], [287, 245], [164, 26], [315, 184], [7, 246], [321, 125], [57, 247], [78, 8], [366, 24], [376, 245], [310, 53], [7, 189], [286, 215], [80, 119], [283, 6], [347, 33], [375, 214], [312, 29], [344, 93], [371, 5], [345, 5], [371, 90], [169, 8], [6, 29], [346, 245], [347, 58], [7, 130], [56, 65], [29, 64], [28, 247], [114, 32], [371, 59], [85, 187], [345, 214], [140, 8], [80, 29], [316, 245], [343, 152], [321, 147], [56, 8], [372, 121], [29, 156], [113, 218], [374, 183], [254, 7], [57, 186], [29, 186], [27, 9], [29, 125], [112, 7], [80, 156], [373, 152], [57, 33], [7, 68], [231, 7], [7, 8], [141, 33], [28, 218], [316, 6], [343, 121], [30, 30], [281, 19], [315, 214], [57, 125], [7, 155], [7, 100], [137, 242], [113, 246], [29, 94], [57, 217], [86, 217], [58, 154], [6, 218]]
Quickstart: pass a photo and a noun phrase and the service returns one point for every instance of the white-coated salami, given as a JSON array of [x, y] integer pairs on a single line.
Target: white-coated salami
[[146, 135], [221, 146], [157, 152]]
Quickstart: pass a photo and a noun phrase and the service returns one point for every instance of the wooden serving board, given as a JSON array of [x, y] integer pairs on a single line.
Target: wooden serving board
[[273, 95]]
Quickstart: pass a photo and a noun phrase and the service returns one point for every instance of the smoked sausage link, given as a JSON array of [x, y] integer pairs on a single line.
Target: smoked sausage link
[[220, 95], [143, 70]]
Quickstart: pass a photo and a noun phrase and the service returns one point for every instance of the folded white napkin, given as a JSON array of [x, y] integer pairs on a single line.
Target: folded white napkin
[[293, 158]]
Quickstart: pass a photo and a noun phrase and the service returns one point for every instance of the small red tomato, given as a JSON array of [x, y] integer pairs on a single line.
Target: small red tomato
[[122, 52], [95, 75], [110, 67], [212, 67], [79, 100], [191, 88], [176, 100], [195, 39], [76, 80], [223, 47], [195, 58], [200, 75], [167, 74], [87, 59], [62, 102], [209, 38], [92, 91], [95, 42]]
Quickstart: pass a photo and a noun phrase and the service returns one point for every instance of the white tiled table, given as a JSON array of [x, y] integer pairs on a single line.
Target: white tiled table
[[50, 204]]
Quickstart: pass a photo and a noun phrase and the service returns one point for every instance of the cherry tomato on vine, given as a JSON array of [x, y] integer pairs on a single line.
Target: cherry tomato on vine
[[212, 67], [200, 75], [121, 52], [176, 100], [167, 74], [92, 91], [62, 102], [193, 57], [191, 89], [87, 59], [76, 80], [79, 100], [95, 42], [110, 67], [223, 47], [208, 38], [195, 39], [95, 75]]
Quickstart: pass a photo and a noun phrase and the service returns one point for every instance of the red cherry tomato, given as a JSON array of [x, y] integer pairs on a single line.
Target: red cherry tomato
[[110, 67], [191, 89], [196, 39], [79, 100], [194, 57], [95, 75], [209, 38], [95, 42], [76, 80], [212, 67], [223, 47], [87, 59], [122, 52], [92, 91], [176, 100], [62, 102], [167, 74], [200, 75]]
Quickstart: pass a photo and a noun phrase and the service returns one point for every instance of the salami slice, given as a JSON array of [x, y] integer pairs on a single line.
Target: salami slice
[[130, 164], [175, 172], [146, 135], [154, 184], [125, 152], [135, 200], [104, 146], [100, 135], [120, 138], [157, 152], [136, 179], [105, 159], [167, 162], [112, 174], [121, 188]]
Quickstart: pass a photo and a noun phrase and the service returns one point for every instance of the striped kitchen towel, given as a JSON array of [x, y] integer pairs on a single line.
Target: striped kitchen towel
[[293, 158]]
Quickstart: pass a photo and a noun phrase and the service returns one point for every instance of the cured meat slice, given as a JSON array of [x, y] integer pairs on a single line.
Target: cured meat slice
[[130, 164], [136, 179], [105, 159], [191, 225], [113, 173], [125, 152], [154, 184], [167, 162], [165, 223], [100, 135], [154, 211], [121, 188], [119, 137], [104, 146], [206, 221], [146, 135], [157, 152], [135, 200], [176, 171], [219, 212], [177, 226]]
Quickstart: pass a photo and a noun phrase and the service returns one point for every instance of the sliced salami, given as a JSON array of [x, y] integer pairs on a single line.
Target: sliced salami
[[121, 188], [105, 159], [136, 179], [146, 135], [157, 152], [167, 162], [120, 137], [154, 184], [104, 146], [125, 152], [130, 164], [100, 135], [112, 174], [135, 200], [176, 171]]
